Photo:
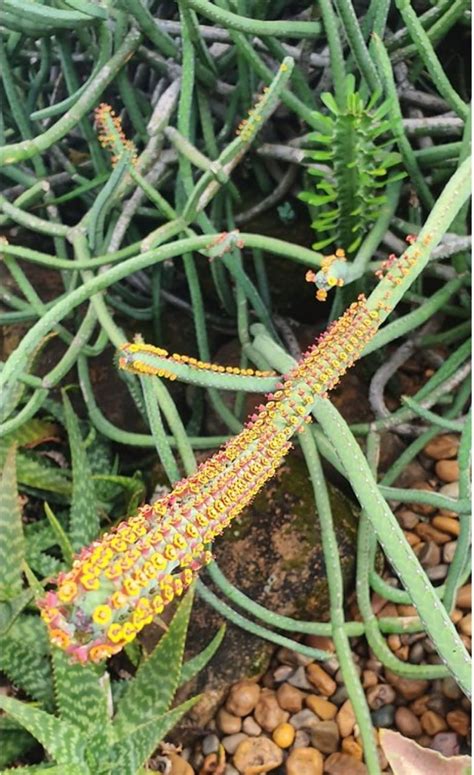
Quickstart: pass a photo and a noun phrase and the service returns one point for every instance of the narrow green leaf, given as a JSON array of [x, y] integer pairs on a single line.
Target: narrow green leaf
[[62, 539], [84, 521], [152, 689], [197, 663], [12, 540]]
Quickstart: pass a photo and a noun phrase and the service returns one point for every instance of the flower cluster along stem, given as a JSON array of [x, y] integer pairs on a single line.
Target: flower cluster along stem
[[119, 583]]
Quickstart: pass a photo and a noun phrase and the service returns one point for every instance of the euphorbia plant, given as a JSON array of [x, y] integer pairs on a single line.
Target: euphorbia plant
[[119, 583]]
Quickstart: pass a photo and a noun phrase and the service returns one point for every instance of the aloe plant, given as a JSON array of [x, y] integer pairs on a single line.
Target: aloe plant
[[101, 728]]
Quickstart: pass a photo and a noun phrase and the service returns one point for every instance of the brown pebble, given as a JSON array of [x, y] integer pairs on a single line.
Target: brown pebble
[[346, 719], [380, 695], [394, 642], [449, 551], [290, 698], [342, 764], [243, 698], [407, 519], [450, 688], [250, 727], [465, 625], [409, 689], [447, 743], [227, 723], [179, 766], [232, 742], [456, 615], [304, 761], [369, 679], [407, 723], [429, 533], [320, 642], [257, 752], [429, 554], [412, 538], [425, 509], [320, 679], [447, 525], [325, 736], [352, 747], [442, 447], [464, 597], [419, 706], [447, 470], [268, 712], [407, 610], [324, 709], [459, 721], [283, 735], [432, 723], [452, 491]]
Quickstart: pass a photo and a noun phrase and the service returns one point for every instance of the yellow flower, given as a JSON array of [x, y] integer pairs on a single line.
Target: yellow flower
[[102, 614]]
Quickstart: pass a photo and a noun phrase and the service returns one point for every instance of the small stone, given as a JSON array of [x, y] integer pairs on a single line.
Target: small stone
[[305, 719], [442, 447], [380, 695], [425, 509], [464, 597], [449, 551], [230, 770], [346, 719], [302, 739], [299, 679], [320, 642], [383, 717], [210, 744], [412, 538], [304, 761], [282, 673], [257, 754], [407, 519], [447, 470], [420, 705], [250, 727], [369, 679], [465, 625], [325, 736], [340, 696], [268, 712], [459, 722], [243, 698], [417, 654], [343, 764], [447, 525], [446, 743], [437, 573], [429, 533], [407, 610], [432, 723], [352, 747], [407, 723], [283, 735], [450, 688], [289, 657], [231, 742], [408, 688], [323, 708], [228, 723], [290, 698], [179, 766], [320, 679], [394, 642], [429, 554], [456, 615]]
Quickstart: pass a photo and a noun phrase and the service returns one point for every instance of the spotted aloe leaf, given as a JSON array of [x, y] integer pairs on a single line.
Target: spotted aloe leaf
[[137, 745], [60, 739], [24, 658], [12, 540], [408, 758], [152, 689]]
